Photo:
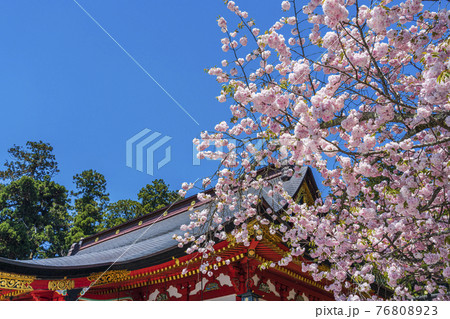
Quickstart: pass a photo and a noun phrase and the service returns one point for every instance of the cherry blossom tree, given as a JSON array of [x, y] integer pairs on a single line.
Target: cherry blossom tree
[[359, 91]]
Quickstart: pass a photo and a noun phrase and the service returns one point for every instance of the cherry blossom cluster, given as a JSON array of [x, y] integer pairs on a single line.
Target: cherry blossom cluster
[[359, 91]]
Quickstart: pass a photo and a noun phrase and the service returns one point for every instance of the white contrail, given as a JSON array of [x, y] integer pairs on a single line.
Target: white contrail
[[128, 248], [136, 62]]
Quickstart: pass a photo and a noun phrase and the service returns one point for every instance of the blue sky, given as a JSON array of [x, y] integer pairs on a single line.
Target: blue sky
[[64, 81]]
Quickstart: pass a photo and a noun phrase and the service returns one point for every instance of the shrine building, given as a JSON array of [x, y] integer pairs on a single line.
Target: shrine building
[[140, 260]]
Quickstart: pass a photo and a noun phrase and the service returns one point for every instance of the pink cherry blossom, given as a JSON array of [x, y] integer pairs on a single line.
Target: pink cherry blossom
[[360, 95], [285, 5], [222, 22]]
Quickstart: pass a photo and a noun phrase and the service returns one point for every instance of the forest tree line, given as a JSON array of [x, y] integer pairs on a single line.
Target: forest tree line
[[40, 218]]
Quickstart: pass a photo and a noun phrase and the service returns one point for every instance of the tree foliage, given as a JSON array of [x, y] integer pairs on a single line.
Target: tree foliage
[[152, 197], [357, 90], [35, 160], [156, 195], [91, 202], [33, 219], [120, 212], [33, 209]]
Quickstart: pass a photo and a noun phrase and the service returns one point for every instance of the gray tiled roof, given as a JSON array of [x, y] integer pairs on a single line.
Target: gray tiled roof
[[291, 186], [146, 241], [133, 245]]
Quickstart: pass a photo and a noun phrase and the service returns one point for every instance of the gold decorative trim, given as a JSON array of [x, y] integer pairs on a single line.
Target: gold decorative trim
[[291, 273], [305, 192], [15, 276], [231, 239], [13, 294], [168, 278], [16, 281], [103, 278], [63, 284]]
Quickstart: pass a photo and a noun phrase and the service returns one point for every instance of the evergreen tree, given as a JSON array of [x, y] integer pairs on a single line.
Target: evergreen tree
[[153, 196], [35, 160], [33, 209], [91, 202], [122, 211], [156, 195]]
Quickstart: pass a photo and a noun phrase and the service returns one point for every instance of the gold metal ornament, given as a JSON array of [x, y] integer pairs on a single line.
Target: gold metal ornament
[[63, 284], [16, 281], [102, 278]]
